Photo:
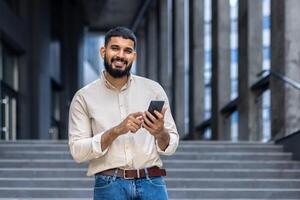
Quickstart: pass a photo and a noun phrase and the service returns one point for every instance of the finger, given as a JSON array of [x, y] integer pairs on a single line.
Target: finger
[[140, 118], [149, 123], [136, 114], [145, 125], [133, 130], [159, 115], [151, 117], [164, 111], [136, 120], [133, 127]]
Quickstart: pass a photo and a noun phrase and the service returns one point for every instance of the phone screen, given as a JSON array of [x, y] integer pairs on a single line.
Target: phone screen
[[155, 105]]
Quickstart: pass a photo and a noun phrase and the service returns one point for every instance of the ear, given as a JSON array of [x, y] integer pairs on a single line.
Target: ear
[[102, 52]]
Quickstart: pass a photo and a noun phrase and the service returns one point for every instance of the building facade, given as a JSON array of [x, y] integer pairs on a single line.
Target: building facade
[[207, 55]]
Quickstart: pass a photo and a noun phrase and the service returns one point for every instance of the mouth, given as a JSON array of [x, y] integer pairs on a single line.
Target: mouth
[[119, 64]]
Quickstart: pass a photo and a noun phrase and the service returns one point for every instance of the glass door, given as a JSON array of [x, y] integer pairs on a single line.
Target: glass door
[[8, 92], [8, 115]]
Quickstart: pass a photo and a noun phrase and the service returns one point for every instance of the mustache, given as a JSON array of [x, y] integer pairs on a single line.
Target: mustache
[[119, 59]]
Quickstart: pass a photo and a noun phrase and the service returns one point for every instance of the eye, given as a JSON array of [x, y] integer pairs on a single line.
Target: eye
[[128, 51], [114, 48]]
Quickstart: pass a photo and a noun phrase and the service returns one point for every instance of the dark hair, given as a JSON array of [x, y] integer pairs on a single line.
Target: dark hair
[[120, 32]]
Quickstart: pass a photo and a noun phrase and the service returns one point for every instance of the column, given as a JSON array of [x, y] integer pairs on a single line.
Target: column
[[141, 52], [250, 64], [196, 81], [152, 45], [220, 68], [40, 68], [179, 61], [165, 51], [71, 55], [285, 48]]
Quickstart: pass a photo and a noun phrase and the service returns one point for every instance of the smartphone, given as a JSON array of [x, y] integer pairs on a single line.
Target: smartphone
[[155, 105]]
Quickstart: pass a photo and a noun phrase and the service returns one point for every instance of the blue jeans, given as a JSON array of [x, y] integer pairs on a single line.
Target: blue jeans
[[115, 188]]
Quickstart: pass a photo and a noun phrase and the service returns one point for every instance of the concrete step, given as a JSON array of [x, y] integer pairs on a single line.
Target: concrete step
[[172, 173], [181, 148], [169, 199], [176, 156], [232, 164], [211, 170], [200, 164], [232, 193], [230, 156], [171, 183], [182, 142]]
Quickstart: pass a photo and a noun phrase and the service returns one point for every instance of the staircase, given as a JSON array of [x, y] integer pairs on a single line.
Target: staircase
[[199, 170]]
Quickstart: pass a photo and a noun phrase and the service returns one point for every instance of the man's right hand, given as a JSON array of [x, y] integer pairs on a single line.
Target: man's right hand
[[132, 123]]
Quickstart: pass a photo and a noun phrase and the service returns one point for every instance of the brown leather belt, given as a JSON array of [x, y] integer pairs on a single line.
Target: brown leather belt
[[134, 174]]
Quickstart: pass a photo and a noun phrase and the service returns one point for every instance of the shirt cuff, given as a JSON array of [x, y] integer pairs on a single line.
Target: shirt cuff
[[171, 148], [96, 143]]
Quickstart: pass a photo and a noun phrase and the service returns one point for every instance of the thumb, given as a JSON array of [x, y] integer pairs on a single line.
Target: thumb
[[164, 110]]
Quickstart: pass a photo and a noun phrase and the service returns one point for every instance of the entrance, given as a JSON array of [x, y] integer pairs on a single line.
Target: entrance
[[8, 92], [8, 114]]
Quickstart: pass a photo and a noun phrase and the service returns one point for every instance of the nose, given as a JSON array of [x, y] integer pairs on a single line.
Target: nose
[[121, 53]]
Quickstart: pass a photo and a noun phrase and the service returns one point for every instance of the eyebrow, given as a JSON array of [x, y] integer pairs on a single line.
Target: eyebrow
[[127, 48]]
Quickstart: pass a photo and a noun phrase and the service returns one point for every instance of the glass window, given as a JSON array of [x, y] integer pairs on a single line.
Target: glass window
[[9, 67], [55, 112], [186, 66], [266, 21], [234, 64], [234, 47], [234, 126], [207, 61], [93, 63], [266, 48]]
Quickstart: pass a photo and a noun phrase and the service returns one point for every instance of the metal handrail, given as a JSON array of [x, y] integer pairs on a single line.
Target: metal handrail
[[281, 77]]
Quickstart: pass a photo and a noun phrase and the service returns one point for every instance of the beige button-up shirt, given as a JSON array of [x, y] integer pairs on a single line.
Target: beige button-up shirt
[[98, 107]]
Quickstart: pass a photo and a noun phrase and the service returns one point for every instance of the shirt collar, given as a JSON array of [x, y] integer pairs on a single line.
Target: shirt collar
[[110, 86]]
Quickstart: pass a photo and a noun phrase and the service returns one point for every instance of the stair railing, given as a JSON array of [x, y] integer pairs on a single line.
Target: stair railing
[[281, 77]]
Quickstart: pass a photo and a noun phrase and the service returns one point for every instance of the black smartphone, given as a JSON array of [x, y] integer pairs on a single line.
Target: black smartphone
[[155, 105]]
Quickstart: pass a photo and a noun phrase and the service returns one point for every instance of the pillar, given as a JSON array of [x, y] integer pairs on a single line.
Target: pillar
[[179, 63], [220, 68], [285, 48], [196, 81], [250, 64]]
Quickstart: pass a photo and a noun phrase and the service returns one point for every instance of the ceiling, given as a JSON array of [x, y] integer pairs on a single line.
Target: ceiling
[[104, 14]]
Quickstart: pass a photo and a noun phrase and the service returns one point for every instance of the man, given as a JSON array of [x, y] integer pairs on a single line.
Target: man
[[110, 127]]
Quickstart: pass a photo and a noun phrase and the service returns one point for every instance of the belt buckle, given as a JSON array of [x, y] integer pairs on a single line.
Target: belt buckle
[[130, 178]]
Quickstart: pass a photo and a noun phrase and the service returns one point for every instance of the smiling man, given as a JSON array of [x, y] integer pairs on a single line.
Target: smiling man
[[110, 127]]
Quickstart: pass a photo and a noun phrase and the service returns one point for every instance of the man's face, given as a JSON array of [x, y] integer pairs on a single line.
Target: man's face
[[118, 55]]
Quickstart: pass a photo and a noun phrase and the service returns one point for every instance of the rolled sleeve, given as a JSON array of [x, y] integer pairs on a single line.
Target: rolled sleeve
[[96, 145], [83, 145], [173, 144]]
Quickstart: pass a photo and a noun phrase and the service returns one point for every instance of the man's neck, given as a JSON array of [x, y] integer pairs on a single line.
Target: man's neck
[[116, 82]]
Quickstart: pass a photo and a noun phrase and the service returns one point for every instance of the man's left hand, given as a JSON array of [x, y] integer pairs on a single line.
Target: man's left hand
[[155, 126]]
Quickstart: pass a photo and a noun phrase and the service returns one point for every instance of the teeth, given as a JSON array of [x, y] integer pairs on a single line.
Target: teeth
[[119, 63]]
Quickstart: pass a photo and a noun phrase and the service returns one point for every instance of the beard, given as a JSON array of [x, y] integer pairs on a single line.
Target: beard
[[116, 73]]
